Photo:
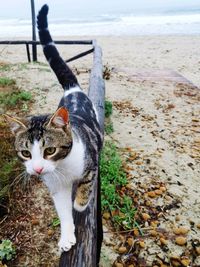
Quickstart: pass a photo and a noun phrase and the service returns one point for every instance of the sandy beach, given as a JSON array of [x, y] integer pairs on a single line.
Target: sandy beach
[[154, 87]]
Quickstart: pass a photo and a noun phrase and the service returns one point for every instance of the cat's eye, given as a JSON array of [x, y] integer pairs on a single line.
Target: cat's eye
[[50, 151], [26, 153]]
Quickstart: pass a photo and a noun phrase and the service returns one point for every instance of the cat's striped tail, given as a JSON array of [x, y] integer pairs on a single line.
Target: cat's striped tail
[[64, 74]]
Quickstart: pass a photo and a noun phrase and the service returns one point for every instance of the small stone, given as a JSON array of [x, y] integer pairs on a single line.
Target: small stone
[[148, 203], [181, 230], [146, 216], [122, 250], [163, 188], [154, 223], [117, 264], [130, 241], [136, 232], [50, 232], [198, 225], [142, 244], [184, 230], [35, 222], [175, 261], [177, 218], [197, 249], [185, 262], [158, 192], [153, 233], [163, 241], [180, 240], [131, 265], [106, 215], [151, 194]]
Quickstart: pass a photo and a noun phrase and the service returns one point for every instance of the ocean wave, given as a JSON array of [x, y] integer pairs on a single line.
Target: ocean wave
[[109, 25]]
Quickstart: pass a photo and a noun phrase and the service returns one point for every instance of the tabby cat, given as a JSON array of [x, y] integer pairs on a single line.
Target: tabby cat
[[61, 148]]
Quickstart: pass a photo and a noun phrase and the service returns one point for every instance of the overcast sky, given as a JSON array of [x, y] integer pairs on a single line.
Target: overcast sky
[[21, 8]]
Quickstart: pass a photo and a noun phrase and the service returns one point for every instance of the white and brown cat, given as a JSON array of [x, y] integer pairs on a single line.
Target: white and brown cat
[[63, 147]]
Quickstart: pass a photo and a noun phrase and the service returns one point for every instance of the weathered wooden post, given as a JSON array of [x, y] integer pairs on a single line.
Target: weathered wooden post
[[34, 46], [86, 252]]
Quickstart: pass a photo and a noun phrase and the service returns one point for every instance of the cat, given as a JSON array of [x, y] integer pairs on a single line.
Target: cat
[[62, 148]]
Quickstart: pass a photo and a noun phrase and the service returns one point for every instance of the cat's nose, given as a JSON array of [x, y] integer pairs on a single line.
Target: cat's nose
[[38, 170]]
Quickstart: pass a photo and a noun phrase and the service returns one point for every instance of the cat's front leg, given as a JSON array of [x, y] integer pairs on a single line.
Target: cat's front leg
[[63, 203]]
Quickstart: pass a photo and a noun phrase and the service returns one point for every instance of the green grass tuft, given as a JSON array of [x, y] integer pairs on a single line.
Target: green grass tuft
[[108, 109], [5, 81], [109, 128], [113, 178], [14, 98], [7, 250]]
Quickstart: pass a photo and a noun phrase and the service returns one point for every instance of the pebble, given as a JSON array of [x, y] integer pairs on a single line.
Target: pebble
[[180, 240], [153, 233], [130, 241], [163, 241], [106, 215], [50, 232], [197, 250], [175, 261], [181, 230], [198, 225], [163, 188], [136, 232], [158, 192], [151, 194], [35, 222], [122, 250], [177, 218], [117, 264], [185, 262], [146, 216], [142, 244]]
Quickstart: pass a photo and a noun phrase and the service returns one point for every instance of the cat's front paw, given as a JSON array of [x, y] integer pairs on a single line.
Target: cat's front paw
[[67, 242]]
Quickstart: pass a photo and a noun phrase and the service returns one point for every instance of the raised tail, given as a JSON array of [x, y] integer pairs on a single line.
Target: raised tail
[[64, 74]]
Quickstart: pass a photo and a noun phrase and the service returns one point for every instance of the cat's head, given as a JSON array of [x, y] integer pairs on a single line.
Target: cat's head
[[42, 141]]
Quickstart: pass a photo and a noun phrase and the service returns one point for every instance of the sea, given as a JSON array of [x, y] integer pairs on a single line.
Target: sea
[[117, 22]]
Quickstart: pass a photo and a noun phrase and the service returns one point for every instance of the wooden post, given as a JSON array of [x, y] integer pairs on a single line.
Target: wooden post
[[28, 53], [86, 252], [34, 46]]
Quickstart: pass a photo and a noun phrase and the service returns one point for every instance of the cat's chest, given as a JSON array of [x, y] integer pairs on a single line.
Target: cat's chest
[[72, 167]]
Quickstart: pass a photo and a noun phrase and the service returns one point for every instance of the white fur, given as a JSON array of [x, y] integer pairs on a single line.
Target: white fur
[[63, 203], [69, 169], [72, 90]]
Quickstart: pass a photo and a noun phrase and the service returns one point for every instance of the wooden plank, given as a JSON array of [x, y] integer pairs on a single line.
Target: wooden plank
[[164, 75], [80, 55], [86, 252], [97, 86]]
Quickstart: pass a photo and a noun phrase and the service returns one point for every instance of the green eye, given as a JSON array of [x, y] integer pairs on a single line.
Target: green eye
[[26, 153], [50, 151]]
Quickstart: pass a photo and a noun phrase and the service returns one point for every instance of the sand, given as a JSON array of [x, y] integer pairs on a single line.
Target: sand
[[155, 114]]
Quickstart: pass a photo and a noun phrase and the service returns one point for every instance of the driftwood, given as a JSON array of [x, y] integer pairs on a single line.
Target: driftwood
[[86, 252]]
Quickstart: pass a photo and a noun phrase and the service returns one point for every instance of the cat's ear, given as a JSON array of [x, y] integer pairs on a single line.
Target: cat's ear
[[60, 118], [15, 124]]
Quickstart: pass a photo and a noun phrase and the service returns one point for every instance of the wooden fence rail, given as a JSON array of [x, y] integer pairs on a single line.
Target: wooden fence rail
[[86, 252], [60, 42]]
